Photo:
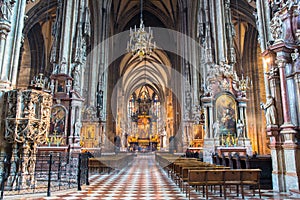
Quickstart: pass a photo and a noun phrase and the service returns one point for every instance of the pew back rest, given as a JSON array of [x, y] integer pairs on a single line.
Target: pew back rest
[[232, 175], [196, 176], [215, 176], [250, 175]]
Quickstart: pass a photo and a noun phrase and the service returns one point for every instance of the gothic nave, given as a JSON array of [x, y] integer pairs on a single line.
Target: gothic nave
[[93, 85]]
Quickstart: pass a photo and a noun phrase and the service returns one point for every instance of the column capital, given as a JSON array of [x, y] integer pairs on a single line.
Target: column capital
[[280, 61], [242, 104], [5, 27]]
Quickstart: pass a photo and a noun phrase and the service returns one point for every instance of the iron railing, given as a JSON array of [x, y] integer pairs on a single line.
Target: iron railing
[[52, 172]]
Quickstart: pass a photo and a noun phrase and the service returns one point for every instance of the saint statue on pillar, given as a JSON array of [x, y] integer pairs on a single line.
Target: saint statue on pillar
[[216, 128], [270, 111], [240, 129], [77, 128], [76, 77]]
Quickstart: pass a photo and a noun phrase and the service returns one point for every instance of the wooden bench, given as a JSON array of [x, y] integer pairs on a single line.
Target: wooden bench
[[223, 178], [251, 177]]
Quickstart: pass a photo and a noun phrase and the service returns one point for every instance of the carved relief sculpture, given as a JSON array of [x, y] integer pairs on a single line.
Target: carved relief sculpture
[[76, 77], [26, 126], [6, 7], [276, 27]]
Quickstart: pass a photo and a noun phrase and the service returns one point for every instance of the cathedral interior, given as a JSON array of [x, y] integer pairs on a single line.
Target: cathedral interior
[[129, 78]]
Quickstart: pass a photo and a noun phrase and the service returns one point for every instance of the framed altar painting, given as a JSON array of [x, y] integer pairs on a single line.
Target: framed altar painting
[[226, 114], [198, 131], [88, 136], [198, 135], [57, 132]]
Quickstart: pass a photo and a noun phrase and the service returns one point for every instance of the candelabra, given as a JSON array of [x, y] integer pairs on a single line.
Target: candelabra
[[140, 42]]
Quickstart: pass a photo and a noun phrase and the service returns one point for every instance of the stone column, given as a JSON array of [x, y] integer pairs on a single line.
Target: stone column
[[277, 158], [288, 132], [246, 142], [5, 28], [272, 86], [287, 127], [16, 41], [211, 121], [221, 40], [209, 143], [4, 83], [297, 81]]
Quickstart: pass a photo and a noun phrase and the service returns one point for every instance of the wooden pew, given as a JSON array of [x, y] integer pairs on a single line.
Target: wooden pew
[[251, 177], [223, 178]]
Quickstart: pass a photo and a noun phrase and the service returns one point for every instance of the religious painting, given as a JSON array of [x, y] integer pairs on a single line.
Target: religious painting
[[198, 135], [57, 126], [88, 138], [61, 86], [198, 131], [226, 115], [58, 118], [144, 126]]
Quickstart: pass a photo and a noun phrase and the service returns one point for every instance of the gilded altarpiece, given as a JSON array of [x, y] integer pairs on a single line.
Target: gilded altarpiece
[[224, 104], [90, 136]]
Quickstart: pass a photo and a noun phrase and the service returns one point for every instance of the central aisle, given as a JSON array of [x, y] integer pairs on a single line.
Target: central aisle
[[141, 180]]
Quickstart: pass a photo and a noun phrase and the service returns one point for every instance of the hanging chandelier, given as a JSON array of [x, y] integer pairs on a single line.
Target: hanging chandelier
[[140, 42]]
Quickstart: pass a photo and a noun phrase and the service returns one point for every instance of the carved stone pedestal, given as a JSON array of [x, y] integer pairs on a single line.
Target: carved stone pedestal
[[278, 168], [277, 158], [75, 147], [209, 147], [291, 156], [245, 142]]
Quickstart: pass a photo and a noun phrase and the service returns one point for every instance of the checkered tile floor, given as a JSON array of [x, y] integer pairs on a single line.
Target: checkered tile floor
[[144, 180]]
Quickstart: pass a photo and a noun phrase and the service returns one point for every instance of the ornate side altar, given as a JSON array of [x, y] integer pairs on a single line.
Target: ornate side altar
[[225, 105]]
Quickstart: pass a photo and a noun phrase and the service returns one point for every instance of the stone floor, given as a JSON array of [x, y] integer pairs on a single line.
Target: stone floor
[[144, 179]]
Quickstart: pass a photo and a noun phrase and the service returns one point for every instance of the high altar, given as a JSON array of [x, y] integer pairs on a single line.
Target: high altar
[[145, 119], [225, 105]]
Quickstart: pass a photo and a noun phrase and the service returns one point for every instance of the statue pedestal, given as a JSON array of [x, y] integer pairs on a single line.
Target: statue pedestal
[[209, 147], [123, 149], [246, 143]]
